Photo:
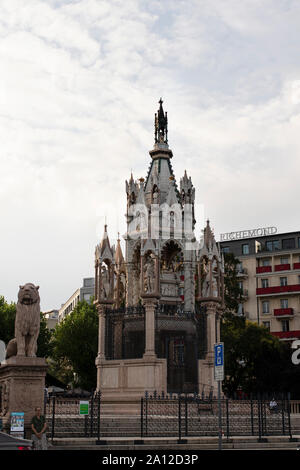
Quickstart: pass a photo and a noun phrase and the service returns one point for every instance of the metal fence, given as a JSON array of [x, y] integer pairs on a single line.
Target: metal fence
[[184, 415], [64, 416], [171, 416]]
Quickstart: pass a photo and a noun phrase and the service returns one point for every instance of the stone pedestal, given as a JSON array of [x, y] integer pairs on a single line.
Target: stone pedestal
[[22, 385]]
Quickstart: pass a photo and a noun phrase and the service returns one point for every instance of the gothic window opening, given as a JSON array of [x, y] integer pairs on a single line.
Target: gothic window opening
[[172, 257]]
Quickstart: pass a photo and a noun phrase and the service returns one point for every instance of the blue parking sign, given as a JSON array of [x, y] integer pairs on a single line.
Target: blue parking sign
[[219, 354], [219, 361]]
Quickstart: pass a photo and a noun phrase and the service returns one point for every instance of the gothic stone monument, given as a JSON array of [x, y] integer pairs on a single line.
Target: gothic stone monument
[[160, 305], [22, 374]]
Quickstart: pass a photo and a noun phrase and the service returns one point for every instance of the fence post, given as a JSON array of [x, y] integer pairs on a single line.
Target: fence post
[[186, 415], [142, 418], [179, 418], [282, 413], [289, 416], [251, 411], [98, 414], [53, 418], [92, 414], [146, 398], [259, 417], [227, 418]]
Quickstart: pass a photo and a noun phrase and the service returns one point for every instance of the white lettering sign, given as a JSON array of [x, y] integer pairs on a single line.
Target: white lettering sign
[[258, 232]]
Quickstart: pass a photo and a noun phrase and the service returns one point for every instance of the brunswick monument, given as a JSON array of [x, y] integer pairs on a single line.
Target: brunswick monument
[[159, 306], [22, 374]]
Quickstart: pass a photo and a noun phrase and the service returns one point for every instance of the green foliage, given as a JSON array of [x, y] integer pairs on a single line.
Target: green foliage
[[233, 293], [254, 359], [75, 345], [7, 320]]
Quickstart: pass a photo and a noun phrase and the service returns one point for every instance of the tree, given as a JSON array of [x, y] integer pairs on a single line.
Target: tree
[[7, 320], [255, 360], [232, 292], [75, 345]]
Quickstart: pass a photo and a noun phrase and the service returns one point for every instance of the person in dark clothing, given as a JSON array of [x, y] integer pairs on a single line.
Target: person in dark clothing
[[39, 426]]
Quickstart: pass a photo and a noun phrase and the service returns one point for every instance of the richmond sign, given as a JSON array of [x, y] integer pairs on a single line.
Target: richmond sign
[[257, 232]]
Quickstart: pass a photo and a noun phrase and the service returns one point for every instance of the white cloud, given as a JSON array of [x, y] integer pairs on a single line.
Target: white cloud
[[79, 87]]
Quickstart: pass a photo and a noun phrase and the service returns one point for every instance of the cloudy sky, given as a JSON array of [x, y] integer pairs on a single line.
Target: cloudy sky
[[79, 85]]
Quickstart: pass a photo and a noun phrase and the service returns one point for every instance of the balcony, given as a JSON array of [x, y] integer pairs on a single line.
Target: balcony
[[296, 265], [263, 269], [242, 272], [282, 267], [278, 289], [286, 334], [280, 312]]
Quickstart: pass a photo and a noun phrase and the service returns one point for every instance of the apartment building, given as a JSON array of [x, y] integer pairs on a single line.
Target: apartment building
[[269, 275], [82, 293]]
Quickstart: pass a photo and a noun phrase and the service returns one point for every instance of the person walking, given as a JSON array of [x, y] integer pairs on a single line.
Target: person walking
[[39, 426]]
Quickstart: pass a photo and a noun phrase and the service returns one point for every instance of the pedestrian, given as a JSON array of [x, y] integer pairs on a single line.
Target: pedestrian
[[39, 426], [273, 405]]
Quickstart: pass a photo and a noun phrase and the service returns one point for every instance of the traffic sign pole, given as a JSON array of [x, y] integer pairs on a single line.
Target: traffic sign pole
[[219, 376]]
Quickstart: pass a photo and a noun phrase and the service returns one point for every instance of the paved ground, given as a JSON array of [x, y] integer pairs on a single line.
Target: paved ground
[[153, 444]]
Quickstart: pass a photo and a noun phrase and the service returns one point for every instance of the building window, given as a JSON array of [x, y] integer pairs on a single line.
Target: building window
[[285, 325], [272, 245], [284, 303], [284, 260], [245, 249], [288, 244], [266, 306], [239, 267], [299, 242], [267, 325], [87, 297], [178, 351], [283, 281], [240, 309], [225, 249], [266, 262], [265, 283]]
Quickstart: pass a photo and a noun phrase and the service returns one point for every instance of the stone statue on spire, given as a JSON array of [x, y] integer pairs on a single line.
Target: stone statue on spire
[[161, 125]]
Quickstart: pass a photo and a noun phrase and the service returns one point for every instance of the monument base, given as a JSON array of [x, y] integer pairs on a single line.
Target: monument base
[[124, 382], [22, 389], [206, 382]]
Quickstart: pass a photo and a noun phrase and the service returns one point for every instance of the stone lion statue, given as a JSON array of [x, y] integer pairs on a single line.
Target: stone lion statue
[[27, 323]]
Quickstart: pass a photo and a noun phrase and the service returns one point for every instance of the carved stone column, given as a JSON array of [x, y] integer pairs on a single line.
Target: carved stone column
[[206, 365], [101, 307], [150, 303]]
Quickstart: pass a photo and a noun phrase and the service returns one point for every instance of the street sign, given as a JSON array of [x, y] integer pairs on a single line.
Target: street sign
[[219, 361], [83, 407]]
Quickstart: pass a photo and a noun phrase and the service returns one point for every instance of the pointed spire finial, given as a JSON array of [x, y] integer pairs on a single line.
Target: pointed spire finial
[[161, 125]]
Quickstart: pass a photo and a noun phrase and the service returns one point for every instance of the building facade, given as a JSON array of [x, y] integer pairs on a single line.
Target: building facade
[[160, 304], [51, 317], [269, 276], [82, 293]]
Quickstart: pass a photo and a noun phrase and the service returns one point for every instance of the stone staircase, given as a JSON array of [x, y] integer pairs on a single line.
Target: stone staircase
[[67, 426]]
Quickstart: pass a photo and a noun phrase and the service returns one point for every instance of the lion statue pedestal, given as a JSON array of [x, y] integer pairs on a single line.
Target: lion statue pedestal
[[22, 374]]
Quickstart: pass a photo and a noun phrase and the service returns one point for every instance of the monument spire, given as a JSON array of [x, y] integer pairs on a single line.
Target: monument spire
[[161, 125]]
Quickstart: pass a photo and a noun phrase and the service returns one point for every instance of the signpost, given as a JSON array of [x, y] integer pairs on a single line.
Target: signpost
[[219, 376]]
